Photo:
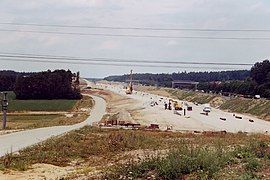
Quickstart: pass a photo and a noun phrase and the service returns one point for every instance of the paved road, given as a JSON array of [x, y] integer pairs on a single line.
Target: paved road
[[19, 140]]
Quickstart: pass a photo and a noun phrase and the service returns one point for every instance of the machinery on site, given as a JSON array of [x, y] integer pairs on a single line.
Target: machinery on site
[[129, 88], [176, 105], [189, 108], [207, 108]]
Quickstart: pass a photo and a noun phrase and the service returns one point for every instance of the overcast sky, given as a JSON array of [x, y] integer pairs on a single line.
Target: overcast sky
[[215, 14]]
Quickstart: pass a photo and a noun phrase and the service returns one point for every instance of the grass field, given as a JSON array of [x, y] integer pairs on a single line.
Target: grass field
[[129, 154], [29, 121], [39, 105]]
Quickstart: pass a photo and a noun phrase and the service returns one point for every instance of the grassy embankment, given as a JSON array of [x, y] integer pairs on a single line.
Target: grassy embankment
[[128, 154], [256, 107], [19, 116]]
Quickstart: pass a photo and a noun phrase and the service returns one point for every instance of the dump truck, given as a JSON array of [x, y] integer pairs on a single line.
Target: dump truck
[[129, 89], [176, 105]]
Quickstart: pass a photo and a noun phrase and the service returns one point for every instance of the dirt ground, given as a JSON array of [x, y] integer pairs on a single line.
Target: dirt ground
[[258, 108], [122, 108], [37, 171]]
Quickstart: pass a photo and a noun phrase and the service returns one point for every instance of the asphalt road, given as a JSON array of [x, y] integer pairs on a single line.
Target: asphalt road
[[19, 140]]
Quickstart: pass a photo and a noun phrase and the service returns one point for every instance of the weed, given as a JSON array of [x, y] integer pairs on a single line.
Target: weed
[[252, 165], [179, 162]]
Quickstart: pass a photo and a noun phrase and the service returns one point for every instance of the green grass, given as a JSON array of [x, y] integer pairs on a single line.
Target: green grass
[[39, 105]]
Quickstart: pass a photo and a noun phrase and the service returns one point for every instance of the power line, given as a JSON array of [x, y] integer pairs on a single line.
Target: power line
[[137, 36], [107, 64], [67, 58], [135, 28]]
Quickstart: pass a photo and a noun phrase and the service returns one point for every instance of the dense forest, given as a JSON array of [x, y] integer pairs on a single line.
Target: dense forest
[[42, 85], [8, 79], [46, 85], [250, 83]]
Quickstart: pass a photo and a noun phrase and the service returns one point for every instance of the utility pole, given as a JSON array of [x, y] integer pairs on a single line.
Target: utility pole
[[4, 104]]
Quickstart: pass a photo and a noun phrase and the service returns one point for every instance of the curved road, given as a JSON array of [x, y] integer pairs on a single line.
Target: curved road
[[19, 140]]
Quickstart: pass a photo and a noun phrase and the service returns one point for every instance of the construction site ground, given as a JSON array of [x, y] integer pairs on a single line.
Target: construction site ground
[[141, 106]]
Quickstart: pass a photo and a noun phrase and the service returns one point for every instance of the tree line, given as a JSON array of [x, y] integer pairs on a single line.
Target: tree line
[[56, 84], [258, 83], [165, 80], [246, 82], [8, 79]]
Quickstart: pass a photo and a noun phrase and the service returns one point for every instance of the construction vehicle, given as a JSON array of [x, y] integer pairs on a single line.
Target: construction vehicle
[[176, 105], [207, 108], [189, 108], [129, 88]]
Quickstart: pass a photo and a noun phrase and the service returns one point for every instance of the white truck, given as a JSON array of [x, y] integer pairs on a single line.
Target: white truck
[[207, 108]]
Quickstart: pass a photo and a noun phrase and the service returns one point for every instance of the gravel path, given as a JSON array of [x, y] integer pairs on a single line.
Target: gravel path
[[19, 140]]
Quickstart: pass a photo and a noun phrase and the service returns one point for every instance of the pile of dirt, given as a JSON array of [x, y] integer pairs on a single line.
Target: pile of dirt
[[124, 116], [217, 102]]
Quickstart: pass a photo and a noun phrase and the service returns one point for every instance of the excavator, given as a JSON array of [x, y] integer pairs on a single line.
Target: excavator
[[129, 88], [176, 105]]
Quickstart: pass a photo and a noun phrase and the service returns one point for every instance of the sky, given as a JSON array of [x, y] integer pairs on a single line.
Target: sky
[[203, 14]]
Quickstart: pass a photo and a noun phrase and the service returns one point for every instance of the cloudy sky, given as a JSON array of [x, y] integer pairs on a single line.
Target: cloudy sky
[[202, 14]]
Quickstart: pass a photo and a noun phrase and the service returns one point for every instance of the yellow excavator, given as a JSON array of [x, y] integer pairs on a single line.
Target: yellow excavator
[[129, 88], [176, 105]]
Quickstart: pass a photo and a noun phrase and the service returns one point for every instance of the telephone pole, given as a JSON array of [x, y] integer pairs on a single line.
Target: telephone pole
[[4, 104]]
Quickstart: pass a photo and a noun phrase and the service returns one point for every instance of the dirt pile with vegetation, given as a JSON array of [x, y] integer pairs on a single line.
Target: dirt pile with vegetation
[[123, 154]]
